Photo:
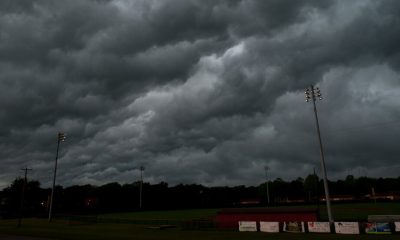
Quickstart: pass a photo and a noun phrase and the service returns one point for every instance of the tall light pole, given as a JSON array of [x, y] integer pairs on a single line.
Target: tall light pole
[[61, 138], [311, 95], [141, 186], [266, 168]]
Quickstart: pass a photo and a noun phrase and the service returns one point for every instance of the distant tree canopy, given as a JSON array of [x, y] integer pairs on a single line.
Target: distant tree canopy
[[114, 197]]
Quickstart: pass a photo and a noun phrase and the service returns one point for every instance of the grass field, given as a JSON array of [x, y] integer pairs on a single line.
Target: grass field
[[359, 211], [168, 215], [61, 229], [342, 212]]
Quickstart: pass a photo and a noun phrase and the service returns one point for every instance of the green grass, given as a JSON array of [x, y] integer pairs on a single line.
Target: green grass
[[360, 211], [354, 211], [165, 215], [340, 212], [61, 229]]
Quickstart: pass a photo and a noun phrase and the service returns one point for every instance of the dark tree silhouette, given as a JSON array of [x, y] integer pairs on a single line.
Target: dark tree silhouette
[[113, 197]]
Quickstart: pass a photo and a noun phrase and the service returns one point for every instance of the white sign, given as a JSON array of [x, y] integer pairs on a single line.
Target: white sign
[[245, 226], [272, 227], [294, 227], [319, 227], [347, 227], [397, 226]]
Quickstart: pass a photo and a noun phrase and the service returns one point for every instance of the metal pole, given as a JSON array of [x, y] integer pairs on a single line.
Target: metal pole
[[61, 137], [22, 197], [266, 177], [141, 187], [54, 183], [328, 202]]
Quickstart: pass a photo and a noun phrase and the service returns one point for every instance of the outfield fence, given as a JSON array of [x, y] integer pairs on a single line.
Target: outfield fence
[[382, 227]]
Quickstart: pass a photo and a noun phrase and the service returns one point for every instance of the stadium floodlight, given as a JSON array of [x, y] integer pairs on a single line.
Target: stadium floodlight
[[60, 138], [311, 95]]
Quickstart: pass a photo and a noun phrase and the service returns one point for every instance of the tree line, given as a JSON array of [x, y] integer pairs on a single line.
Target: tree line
[[114, 197]]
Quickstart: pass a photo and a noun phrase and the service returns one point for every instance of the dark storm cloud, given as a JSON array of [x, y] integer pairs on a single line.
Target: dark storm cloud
[[197, 91]]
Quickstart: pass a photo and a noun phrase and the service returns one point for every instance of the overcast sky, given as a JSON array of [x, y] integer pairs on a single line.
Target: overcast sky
[[205, 91]]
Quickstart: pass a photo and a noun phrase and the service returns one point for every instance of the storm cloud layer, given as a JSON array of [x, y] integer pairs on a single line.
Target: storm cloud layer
[[204, 92]]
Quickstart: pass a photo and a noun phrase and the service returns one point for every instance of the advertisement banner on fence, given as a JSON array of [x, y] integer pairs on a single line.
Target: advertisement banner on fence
[[347, 228], [377, 228], [293, 227], [246, 226], [271, 227], [318, 227], [397, 226]]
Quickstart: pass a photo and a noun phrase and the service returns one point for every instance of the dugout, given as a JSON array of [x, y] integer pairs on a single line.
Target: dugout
[[229, 218]]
